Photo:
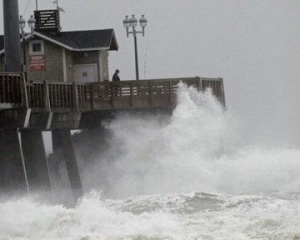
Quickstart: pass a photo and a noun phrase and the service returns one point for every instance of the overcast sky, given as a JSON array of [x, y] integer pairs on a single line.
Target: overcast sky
[[252, 44]]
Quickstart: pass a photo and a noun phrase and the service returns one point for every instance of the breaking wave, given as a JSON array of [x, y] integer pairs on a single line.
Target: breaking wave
[[191, 175]]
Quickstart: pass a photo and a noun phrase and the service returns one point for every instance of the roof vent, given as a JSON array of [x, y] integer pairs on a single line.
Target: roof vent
[[47, 21]]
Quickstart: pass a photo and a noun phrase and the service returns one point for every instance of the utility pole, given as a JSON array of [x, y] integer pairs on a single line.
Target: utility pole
[[11, 36]]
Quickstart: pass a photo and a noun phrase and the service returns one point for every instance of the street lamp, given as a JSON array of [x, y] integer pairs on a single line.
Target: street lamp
[[132, 22], [31, 24]]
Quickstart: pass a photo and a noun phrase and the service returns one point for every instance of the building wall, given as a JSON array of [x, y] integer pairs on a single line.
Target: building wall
[[104, 75], [90, 57], [100, 58], [85, 57], [53, 62], [69, 65]]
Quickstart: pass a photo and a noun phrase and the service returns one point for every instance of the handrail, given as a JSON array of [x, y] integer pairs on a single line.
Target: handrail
[[49, 96], [11, 85]]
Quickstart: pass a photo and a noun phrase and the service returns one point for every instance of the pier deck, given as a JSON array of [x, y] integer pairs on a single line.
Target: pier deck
[[28, 108], [54, 105]]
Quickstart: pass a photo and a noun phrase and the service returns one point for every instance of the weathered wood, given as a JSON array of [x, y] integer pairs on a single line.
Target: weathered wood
[[47, 20], [151, 93], [199, 84], [92, 100], [112, 93], [100, 96], [2, 90], [46, 97], [62, 142], [12, 167], [222, 91], [35, 160], [131, 94], [24, 93], [171, 91], [75, 98]]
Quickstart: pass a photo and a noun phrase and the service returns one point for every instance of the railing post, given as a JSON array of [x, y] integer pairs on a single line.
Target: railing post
[[112, 92], [13, 88], [75, 98], [33, 94], [2, 95], [120, 88], [47, 105], [58, 96], [131, 94], [222, 92], [138, 89], [199, 84], [24, 92], [92, 93], [171, 90], [151, 92]]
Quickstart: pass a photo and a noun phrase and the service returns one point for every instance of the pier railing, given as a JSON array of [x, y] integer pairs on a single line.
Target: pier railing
[[12, 92], [81, 97]]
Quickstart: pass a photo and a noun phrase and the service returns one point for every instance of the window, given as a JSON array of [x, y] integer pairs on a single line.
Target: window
[[36, 47]]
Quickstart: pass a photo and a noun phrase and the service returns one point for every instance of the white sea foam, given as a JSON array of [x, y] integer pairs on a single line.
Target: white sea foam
[[198, 149], [172, 216], [150, 183]]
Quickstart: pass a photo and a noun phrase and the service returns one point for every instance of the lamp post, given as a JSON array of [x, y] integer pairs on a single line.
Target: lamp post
[[132, 22], [31, 24]]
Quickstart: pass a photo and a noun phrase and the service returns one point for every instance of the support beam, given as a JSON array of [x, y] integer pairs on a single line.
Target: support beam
[[11, 36], [35, 160], [62, 142], [101, 68], [64, 64], [12, 170]]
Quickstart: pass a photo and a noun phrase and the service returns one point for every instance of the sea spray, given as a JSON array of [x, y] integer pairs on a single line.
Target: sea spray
[[162, 154], [187, 176], [160, 216], [197, 148]]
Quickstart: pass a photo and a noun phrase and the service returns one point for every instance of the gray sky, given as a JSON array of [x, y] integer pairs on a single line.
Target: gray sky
[[252, 44]]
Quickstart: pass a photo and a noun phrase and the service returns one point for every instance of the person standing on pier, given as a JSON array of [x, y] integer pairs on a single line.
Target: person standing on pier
[[115, 79]]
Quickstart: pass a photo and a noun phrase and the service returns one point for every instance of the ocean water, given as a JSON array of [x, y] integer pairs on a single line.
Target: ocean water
[[195, 175]]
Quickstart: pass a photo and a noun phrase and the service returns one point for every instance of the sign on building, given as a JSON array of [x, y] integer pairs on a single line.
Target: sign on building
[[37, 63]]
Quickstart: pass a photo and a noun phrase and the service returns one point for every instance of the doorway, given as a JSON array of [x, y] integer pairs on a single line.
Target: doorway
[[85, 73]]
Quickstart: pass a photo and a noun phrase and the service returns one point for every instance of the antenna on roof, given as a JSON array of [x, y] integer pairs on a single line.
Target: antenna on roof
[[56, 2], [36, 4], [58, 8]]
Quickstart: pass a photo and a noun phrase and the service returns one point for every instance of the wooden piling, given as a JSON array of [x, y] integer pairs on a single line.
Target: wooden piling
[[12, 169], [62, 141], [35, 160]]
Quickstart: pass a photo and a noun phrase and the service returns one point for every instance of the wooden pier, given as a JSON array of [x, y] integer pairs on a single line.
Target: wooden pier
[[28, 108]]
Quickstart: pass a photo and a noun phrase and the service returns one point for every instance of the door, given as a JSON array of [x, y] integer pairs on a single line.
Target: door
[[85, 73]]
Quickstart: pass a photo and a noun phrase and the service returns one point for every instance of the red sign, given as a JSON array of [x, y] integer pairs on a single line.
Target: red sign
[[37, 63]]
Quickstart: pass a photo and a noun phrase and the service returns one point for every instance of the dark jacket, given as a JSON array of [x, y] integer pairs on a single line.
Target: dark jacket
[[116, 77]]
